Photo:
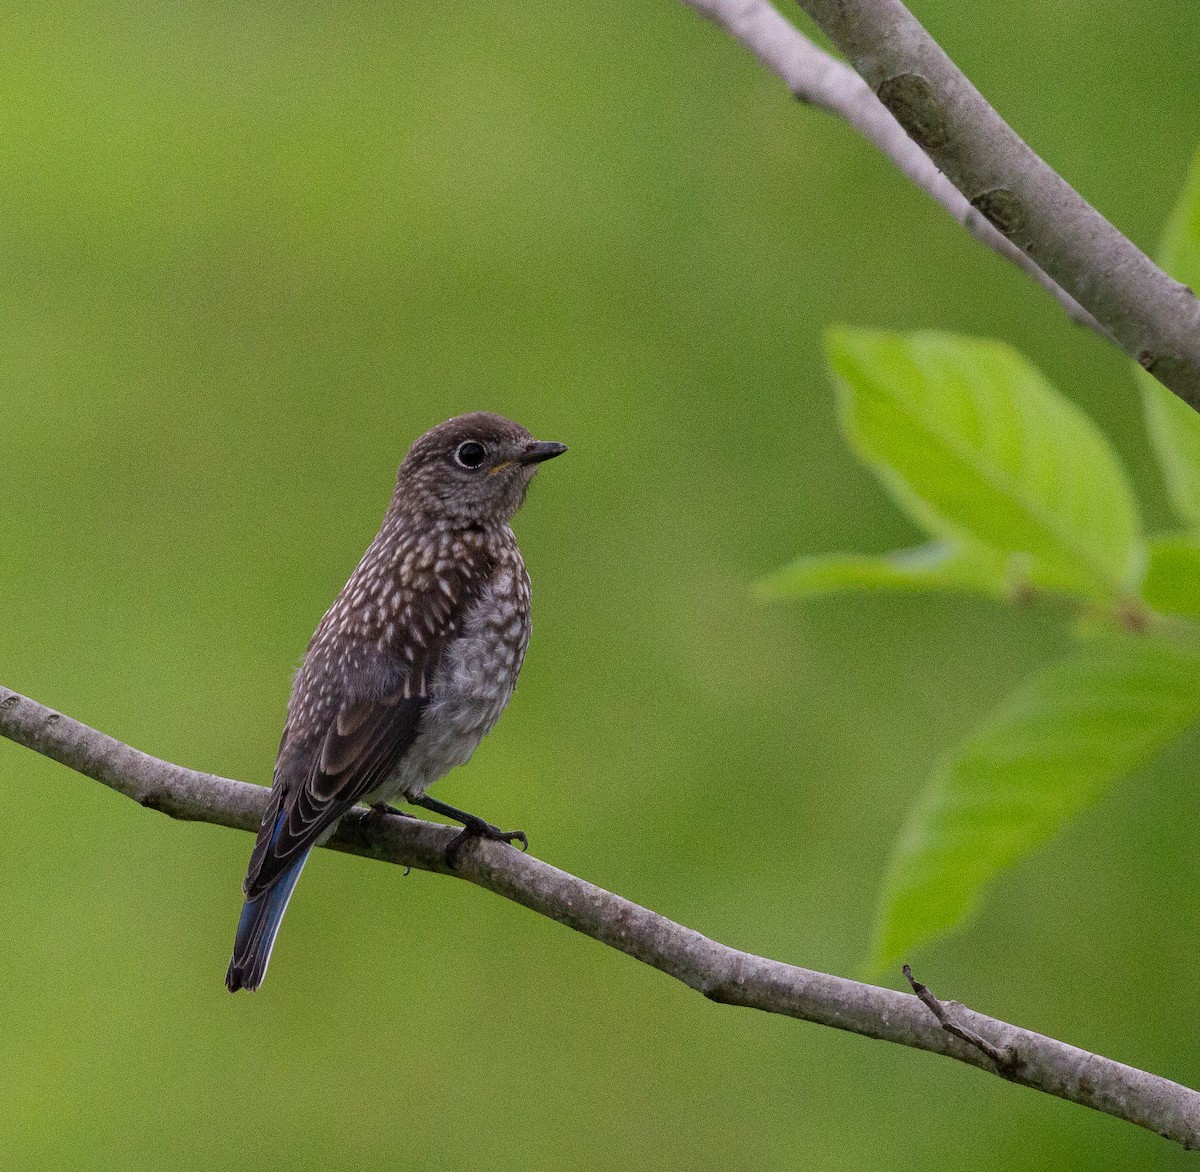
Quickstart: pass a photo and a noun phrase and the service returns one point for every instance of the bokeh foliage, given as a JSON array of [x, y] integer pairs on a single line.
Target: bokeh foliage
[[248, 254]]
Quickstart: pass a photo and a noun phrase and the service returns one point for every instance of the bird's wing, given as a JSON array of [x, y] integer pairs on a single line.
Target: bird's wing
[[362, 733]]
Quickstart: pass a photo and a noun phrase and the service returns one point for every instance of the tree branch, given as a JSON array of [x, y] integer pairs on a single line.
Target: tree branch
[[721, 973], [815, 77], [918, 109]]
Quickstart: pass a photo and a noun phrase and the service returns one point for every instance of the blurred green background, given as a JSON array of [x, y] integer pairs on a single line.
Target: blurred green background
[[248, 255]]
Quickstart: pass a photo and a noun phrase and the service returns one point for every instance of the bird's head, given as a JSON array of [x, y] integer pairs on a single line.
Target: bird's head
[[472, 470]]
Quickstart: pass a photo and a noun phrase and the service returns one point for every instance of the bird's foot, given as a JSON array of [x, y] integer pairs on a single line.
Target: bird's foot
[[478, 828], [472, 827]]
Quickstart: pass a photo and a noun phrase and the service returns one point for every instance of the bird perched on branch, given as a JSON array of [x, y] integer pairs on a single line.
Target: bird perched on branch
[[410, 667]]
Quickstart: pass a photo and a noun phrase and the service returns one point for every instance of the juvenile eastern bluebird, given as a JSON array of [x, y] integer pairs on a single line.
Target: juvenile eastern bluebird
[[410, 667]]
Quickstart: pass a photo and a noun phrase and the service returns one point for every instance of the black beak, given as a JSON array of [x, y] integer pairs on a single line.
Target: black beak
[[541, 450]]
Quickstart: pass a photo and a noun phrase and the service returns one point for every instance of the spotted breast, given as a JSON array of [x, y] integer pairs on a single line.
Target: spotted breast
[[475, 677]]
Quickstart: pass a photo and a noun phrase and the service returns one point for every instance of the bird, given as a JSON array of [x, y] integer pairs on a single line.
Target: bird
[[410, 667]]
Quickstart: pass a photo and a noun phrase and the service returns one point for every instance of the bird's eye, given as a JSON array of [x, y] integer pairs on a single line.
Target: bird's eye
[[470, 454]]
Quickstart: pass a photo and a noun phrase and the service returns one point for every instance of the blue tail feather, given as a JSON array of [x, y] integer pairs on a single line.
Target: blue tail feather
[[257, 928]]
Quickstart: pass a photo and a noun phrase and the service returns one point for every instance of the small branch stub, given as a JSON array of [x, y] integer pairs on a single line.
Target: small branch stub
[[1006, 1058]]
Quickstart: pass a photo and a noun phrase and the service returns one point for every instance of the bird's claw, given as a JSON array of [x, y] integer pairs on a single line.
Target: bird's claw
[[481, 829]]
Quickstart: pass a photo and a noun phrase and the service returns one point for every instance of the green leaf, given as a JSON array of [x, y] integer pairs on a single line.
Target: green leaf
[[1173, 426], [975, 444], [1172, 583], [1052, 748], [937, 566], [1174, 430]]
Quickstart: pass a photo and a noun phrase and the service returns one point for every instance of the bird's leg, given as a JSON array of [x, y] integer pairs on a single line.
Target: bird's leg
[[473, 827]]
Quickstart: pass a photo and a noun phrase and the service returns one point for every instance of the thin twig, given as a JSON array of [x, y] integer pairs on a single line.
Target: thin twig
[[721, 973], [1079, 254], [1006, 1059]]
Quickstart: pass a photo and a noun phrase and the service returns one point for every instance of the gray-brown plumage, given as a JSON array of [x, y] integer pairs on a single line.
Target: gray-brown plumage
[[410, 667]]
